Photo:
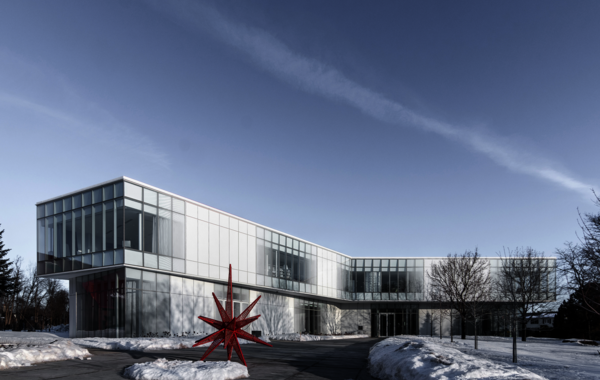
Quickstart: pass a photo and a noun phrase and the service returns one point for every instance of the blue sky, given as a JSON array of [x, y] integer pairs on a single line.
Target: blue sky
[[404, 128]]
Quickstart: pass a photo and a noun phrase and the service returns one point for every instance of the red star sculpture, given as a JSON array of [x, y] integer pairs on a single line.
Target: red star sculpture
[[229, 329]]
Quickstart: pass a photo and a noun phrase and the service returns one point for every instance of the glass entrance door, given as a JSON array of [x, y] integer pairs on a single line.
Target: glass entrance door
[[386, 324]]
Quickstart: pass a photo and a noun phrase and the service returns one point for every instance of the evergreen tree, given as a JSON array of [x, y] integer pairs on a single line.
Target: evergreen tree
[[5, 269]]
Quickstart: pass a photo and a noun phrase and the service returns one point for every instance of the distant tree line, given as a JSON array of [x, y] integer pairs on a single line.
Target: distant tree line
[[28, 301]]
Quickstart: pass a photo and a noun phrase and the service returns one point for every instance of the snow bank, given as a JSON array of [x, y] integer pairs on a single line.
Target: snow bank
[[164, 369], [28, 355], [409, 357], [144, 344], [295, 337]]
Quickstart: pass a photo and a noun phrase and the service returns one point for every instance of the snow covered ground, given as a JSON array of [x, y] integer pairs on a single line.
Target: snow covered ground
[[295, 337], [538, 358], [182, 369], [144, 344], [17, 355]]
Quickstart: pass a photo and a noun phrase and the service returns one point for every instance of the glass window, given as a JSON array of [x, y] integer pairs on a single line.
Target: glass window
[[49, 208], [86, 261], [98, 228], [41, 211], [58, 206], [162, 283], [109, 224], [178, 206], [119, 229], [133, 278], [164, 263], [97, 195], [87, 198], [133, 191], [177, 285], [109, 192], [164, 201], [77, 201], [150, 229], [87, 230], [67, 204], [76, 262], [59, 240], [133, 225], [118, 189], [164, 232], [150, 197], [50, 237], [268, 235], [149, 280], [178, 236], [68, 234], [41, 234]]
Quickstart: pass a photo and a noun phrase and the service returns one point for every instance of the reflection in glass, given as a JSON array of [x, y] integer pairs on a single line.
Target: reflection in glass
[[178, 235], [68, 234], [58, 222], [87, 198], [98, 230], [41, 234], [50, 237], [133, 225], [119, 212], [87, 229], [109, 224], [164, 231], [109, 192], [150, 229]]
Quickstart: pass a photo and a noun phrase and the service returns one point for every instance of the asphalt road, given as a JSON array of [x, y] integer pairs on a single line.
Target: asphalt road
[[335, 359]]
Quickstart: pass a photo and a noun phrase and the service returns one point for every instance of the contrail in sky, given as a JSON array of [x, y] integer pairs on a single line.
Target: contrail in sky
[[313, 76]]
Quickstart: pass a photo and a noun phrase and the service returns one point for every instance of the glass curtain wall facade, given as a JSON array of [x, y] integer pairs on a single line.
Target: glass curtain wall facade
[[123, 229]]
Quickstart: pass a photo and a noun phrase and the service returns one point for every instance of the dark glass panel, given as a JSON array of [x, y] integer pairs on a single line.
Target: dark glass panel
[[41, 236], [58, 206], [58, 265], [97, 195], [58, 222], [41, 268], [41, 212], [401, 282], [118, 189], [49, 266], [49, 208], [86, 261], [97, 259], [133, 227], [87, 198], [77, 201], [76, 262], [119, 206], [67, 263], [50, 236], [385, 282], [68, 234], [68, 203], [109, 224], [360, 282], [87, 230], [78, 230], [394, 282], [150, 229], [98, 230], [296, 268], [119, 256], [109, 192]]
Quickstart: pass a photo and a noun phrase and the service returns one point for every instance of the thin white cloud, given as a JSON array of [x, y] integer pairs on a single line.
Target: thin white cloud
[[40, 91], [313, 76]]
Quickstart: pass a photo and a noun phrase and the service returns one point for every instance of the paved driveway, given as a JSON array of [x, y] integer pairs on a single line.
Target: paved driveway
[[335, 359]]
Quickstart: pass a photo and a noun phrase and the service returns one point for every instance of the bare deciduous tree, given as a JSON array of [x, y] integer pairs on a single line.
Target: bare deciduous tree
[[463, 282]]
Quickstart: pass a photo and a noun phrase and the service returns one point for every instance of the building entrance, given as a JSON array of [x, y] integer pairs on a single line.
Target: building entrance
[[394, 319], [386, 324]]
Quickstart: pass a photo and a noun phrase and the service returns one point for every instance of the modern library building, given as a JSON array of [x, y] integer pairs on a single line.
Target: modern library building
[[141, 260]]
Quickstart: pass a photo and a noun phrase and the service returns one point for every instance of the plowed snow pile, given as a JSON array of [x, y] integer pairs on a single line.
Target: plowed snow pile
[[25, 355], [295, 337], [144, 344], [409, 358], [164, 369]]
